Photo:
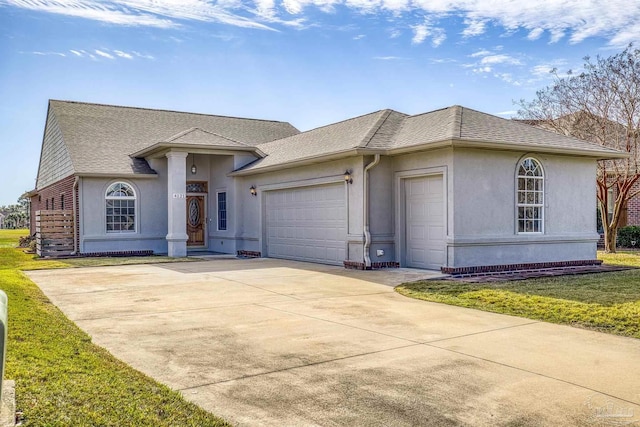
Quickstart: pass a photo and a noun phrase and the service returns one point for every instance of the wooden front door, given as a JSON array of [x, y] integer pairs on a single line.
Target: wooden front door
[[196, 221]]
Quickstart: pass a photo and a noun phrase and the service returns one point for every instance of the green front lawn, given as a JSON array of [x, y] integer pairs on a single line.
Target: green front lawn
[[606, 302], [61, 377]]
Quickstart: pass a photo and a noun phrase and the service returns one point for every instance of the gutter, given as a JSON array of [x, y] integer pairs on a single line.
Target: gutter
[[75, 219], [319, 158], [365, 198], [598, 154]]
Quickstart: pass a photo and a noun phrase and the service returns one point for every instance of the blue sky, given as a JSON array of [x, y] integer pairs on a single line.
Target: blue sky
[[309, 62]]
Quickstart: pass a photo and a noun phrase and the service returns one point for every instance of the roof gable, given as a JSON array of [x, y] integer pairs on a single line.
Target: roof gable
[[100, 138], [55, 160], [459, 123], [327, 140], [197, 136]]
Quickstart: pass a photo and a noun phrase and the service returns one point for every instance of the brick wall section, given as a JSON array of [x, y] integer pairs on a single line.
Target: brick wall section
[[518, 267], [52, 197], [633, 206]]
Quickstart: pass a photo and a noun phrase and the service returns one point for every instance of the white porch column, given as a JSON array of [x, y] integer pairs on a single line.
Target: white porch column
[[177, 210]]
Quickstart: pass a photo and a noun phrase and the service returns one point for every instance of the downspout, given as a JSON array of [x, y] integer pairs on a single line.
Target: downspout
[[367, 234], [75, 217]]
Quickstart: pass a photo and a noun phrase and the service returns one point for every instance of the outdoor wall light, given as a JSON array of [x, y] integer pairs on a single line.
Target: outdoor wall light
[[347, 177], [194, 169], [253, 191]]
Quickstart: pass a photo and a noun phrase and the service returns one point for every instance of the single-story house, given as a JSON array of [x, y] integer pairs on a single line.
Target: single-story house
[[453, 188]]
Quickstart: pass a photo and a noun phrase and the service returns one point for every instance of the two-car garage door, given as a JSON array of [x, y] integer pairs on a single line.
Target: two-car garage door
[[307, 223]]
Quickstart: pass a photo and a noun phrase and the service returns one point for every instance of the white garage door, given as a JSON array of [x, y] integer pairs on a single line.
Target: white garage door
[[425, 222], [307, 224]]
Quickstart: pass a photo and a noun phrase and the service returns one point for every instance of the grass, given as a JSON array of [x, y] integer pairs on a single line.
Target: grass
[[605, 302], [61, 377]]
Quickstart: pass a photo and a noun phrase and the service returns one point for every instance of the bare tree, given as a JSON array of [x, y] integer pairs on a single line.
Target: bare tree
[[601, 105]]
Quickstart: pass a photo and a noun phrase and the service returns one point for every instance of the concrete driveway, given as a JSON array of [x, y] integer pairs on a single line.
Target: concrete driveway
[[269, 342]]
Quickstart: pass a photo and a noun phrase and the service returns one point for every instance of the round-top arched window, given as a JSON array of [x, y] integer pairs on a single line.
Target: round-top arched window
[[530, 196], [120, 200]]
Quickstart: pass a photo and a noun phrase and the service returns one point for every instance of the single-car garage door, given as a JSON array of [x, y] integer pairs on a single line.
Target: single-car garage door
[[425, 222], [307, 223]]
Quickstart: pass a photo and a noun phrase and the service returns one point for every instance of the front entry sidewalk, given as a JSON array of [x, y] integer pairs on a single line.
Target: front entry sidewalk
[[271, 342]]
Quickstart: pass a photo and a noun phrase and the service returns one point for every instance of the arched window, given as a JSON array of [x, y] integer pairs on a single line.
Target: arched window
[[120, 201], [530, 196]]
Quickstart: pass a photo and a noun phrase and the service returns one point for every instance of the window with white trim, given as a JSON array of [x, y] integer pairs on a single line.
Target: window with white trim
[[530, 196], [120, 203], [222, 210]]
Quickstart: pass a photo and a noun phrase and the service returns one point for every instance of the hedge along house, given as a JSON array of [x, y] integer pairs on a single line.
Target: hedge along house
[[453, 188]]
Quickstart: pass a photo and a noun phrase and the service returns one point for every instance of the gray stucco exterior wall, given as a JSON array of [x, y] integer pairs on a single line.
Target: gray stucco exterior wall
[[479, 206], [484, 209], [151, 216]]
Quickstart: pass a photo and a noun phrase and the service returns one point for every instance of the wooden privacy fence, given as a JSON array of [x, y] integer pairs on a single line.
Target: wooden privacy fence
[[54, 233]]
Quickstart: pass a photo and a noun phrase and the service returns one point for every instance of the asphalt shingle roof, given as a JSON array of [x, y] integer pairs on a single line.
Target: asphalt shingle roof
[[100, 138], [460, 123], [331, 139], [196, 136], [390, 130]]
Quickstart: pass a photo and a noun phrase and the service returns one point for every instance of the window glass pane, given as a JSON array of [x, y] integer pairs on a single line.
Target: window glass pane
[[530, 196], [222, 211], [120, 208]]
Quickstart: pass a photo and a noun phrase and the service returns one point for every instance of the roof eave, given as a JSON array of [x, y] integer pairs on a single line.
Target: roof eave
[[419, 147], [161, 148], [596, 153], [307, 161], [117, 175]]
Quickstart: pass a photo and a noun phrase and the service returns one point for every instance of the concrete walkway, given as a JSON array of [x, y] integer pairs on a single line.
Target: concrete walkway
[[268, 342]]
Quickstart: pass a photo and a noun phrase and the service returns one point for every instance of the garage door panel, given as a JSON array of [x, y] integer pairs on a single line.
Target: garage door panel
[[425, 222], [311, 221]]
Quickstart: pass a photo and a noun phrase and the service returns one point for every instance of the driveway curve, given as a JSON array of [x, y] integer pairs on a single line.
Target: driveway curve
[[271, 342]]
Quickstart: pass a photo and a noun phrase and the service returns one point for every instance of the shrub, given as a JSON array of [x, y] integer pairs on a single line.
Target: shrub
[[629, 237]]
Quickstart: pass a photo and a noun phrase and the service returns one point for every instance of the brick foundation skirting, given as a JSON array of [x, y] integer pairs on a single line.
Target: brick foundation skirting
[[249, 254], [358, 265], [117, 254], [517, 267]]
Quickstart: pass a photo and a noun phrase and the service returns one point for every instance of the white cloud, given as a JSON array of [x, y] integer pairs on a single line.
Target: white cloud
[[542, 70], [141, 55], [95, 10], [47, 53], [146, 13], [474, 27], [109, 54], [480, 70], [103, 54], [395, 33], [507, 113], [387, 58], [508, 78], [122, 54], [499, 59], [422, 31], [442, 60], [359, 37], [556, 35], [535, 34], [617, 21], [482, 52]]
